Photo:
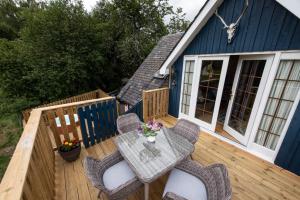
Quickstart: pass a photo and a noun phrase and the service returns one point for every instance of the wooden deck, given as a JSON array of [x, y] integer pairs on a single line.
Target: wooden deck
[[251, 177]]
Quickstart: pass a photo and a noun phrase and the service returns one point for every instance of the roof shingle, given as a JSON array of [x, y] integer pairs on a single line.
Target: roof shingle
[[144, 78]]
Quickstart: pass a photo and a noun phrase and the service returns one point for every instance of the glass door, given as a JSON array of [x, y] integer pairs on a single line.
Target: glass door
[[207, 90], [278, 106], [249, 82]]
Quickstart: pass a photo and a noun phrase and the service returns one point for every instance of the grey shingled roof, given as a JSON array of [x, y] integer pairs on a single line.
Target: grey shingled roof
[[144, 78]]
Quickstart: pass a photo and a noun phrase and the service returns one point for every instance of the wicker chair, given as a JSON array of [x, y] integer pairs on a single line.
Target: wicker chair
[[112, 176], [128, 122], [191, 181], [187, 129]]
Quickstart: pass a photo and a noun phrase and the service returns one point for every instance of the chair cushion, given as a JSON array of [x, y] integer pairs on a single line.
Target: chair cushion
[[117, 175], [185, 185]]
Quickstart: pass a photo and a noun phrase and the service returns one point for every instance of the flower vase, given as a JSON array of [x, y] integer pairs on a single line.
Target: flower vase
[[151, 138]]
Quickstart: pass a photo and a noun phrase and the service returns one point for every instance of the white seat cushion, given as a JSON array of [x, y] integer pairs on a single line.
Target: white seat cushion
[[185, 185], [117, 175]]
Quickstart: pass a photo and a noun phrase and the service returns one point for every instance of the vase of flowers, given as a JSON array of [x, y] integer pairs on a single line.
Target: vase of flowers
[[150, 130], [70, 150]]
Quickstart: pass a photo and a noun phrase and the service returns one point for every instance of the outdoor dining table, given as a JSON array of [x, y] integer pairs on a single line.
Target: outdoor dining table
[[152, 160]]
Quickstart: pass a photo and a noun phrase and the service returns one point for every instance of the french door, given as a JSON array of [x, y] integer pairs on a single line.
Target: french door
[[280, 100], [248, 86], [202, 87]]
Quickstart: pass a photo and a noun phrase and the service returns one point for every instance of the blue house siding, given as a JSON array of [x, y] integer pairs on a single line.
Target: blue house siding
[[289, 154], [266, 26]]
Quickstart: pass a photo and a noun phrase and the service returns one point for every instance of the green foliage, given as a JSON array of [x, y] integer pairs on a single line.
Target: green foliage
[[4, 160], [178, 22], [54, 49], [10, 132], [9, 19], [51, 50]]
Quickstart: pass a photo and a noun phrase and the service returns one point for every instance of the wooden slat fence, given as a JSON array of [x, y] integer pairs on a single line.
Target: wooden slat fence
[[63, 123], [155, 103], [98, 121], [82, 97], [31, 171]]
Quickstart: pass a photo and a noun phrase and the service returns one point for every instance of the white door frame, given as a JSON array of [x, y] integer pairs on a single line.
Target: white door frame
[[262, 151], [244, 139], [196, 78]]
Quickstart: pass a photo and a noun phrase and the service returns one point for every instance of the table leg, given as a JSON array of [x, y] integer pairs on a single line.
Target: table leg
[[146, 192]]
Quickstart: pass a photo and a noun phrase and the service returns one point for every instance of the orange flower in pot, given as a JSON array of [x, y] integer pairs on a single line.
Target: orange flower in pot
[[70, 150]]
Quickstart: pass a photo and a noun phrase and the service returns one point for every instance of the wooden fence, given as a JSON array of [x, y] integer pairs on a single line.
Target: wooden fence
[[64, 121], [82, 97], [155, 103], [30, 174], [31, 171]]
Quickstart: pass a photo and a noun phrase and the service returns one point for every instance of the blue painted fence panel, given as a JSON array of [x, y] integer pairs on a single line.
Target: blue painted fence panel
[[98, 121]]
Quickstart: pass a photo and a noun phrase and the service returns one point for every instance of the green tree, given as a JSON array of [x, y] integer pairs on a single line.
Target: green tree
[[56, 49], [131, 29], [9, 19], [177, 22]]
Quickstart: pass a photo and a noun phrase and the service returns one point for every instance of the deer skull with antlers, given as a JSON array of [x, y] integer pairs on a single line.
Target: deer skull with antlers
[[231, 28]]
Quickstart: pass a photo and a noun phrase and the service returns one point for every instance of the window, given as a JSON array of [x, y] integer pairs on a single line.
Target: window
[[245, 94], [208, 89], [283, 93], [187, 86]]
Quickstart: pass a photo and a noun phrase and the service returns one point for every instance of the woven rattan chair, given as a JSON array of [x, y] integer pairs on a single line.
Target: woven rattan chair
[[112, 176], [128, 122], [190, 181], [187, 129]]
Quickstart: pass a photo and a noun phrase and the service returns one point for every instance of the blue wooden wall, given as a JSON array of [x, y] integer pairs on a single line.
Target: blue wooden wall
[[266, 26], [289, 154]]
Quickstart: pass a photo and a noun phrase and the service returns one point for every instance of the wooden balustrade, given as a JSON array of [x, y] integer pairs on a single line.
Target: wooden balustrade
[[82, 97], [31, 171], [155, 103], [30, 174]]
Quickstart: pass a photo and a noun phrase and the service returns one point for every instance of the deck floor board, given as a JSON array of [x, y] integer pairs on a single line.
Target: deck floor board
[[251, 177]]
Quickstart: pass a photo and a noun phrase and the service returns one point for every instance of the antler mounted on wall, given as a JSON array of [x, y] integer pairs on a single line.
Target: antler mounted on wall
[[231, 28]]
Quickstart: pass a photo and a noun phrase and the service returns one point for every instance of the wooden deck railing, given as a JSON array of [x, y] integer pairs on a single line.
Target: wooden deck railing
[[82, 97], [155, 103], [30, 173]]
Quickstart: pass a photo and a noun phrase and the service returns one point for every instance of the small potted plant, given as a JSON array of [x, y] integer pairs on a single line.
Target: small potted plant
[[150, 130], [70, 150]]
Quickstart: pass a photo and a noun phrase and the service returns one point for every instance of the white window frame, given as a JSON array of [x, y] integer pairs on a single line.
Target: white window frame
[[244, 139], [196, 78], [186, 58], [266, 153]]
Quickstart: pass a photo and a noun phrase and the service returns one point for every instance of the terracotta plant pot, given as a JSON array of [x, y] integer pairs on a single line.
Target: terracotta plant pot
[[72, 155]]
